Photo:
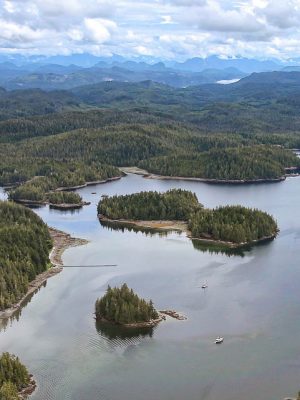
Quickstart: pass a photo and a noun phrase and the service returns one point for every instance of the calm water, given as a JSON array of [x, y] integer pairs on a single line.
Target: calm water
[[253, 301]]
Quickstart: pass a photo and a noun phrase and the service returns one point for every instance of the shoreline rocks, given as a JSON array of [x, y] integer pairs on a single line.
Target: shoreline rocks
[[149, 175], [173, 314], [28, 390]]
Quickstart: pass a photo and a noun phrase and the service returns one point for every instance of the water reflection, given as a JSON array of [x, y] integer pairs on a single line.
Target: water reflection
[[250, 301], [215, 248], [204, 247], [113, 331], [64, 211], [6, 322], [123, 227], [34, 206]]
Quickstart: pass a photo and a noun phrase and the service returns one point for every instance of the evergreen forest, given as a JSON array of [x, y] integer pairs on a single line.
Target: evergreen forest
[[235, 224], [175, 204], [24, 251], [207, 132], [123, 306], [13, 377]]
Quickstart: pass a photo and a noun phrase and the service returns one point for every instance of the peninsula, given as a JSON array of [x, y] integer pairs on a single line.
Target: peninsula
[[27, 242]]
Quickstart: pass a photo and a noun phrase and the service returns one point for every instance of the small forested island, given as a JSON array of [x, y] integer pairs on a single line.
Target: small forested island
[[30, 193], [175, 204], [232, 225], [25, 244], [122, 306], [15, 381]]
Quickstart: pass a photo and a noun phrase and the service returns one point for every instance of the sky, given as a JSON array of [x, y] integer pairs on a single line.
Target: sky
[[173, 29]]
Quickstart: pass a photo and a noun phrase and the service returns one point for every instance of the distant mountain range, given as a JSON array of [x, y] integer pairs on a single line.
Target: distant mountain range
[[55, 76], [68, 72], [243, 64]]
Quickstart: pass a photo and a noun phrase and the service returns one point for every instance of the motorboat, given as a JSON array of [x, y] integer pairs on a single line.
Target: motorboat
[[204, 286], [219, 340]]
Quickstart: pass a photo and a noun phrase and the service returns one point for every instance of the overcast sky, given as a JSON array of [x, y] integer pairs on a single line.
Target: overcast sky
[[174, 29]]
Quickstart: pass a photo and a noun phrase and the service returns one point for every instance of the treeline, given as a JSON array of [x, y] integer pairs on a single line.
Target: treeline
[[24, 103], [123, 306], [24, 251], [13, 377], [239, 163], [235, 224], [175, 204], [63, 197], [17, 129]]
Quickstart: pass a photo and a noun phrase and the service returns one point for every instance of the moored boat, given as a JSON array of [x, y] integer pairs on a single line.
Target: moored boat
[[219, 340]]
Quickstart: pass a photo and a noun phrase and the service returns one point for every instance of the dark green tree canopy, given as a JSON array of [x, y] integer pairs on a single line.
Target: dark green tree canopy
[[123, 306], [235, 224], [13, 377], [175, 204], [24, 251]]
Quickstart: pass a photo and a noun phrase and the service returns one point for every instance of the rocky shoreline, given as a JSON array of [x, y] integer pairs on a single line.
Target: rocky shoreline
[[146, 324], [233, 245], [166, 225], [66, 206], [28, 390], [149, 324], [59, 206], [149, 175], [92, 183], [61, 242], [173, 314]]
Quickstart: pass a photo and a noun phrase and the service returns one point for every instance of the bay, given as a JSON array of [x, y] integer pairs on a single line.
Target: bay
[[252, 301]]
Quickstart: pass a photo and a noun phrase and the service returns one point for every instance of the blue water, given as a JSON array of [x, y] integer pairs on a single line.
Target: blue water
[[252, 300]]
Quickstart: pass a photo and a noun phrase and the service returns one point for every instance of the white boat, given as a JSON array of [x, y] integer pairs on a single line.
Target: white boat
[[219, 340], [204, 286]]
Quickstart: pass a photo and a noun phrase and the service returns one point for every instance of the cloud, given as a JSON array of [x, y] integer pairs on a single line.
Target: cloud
[[98, 30], [159, 28]]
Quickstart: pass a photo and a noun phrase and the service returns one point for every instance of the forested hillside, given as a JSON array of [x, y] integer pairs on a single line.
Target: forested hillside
[[23, 103], [240, 163], [261, 103], [73, 158], [44, 176], [24, 251], [168, 131]]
